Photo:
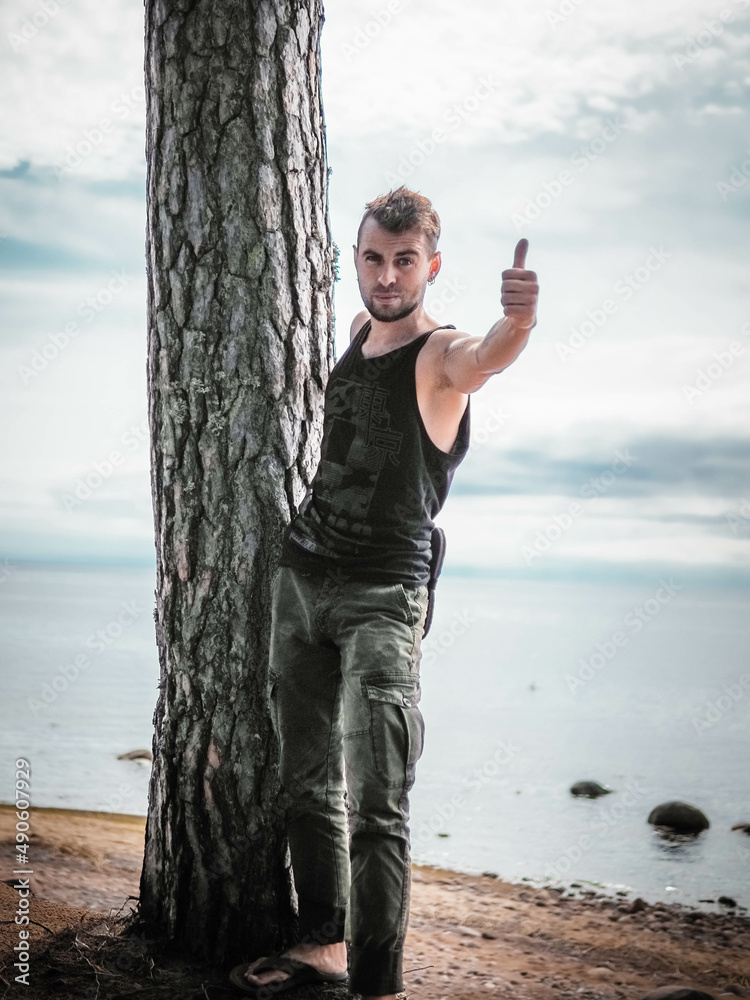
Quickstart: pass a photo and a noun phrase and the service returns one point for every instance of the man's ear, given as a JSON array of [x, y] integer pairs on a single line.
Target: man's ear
[[435, 265]]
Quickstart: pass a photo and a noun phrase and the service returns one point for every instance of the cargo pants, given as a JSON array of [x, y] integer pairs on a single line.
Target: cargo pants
[[344, 690]]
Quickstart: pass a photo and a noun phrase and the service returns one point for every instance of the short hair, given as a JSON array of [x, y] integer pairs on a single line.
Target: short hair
[[402, 210]]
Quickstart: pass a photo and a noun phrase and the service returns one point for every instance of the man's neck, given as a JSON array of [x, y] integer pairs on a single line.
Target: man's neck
[[402, 331]]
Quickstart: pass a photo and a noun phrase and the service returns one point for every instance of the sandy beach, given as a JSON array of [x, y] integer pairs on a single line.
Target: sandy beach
[[469, 935]]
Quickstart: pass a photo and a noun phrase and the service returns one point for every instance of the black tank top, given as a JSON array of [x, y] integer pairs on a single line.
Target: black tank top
[[381, 480]]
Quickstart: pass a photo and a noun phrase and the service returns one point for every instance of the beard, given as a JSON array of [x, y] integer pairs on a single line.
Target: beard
[[389, 313]]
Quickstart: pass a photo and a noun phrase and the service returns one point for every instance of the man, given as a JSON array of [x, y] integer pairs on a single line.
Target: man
[[350, 600]]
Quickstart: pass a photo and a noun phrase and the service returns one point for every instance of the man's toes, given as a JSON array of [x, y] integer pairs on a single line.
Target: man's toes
[[253, 965], [269, 976]]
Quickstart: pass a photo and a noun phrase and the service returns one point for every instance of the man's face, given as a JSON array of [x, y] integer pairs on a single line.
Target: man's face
[[392, 270]]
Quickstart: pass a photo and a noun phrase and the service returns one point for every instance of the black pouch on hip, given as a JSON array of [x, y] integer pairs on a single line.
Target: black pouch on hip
[[437, 545]]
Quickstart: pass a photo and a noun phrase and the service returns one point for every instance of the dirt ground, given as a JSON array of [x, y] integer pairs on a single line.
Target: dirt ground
[[469, 935]]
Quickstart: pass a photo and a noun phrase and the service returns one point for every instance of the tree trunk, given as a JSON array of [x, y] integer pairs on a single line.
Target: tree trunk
[[240, 345]]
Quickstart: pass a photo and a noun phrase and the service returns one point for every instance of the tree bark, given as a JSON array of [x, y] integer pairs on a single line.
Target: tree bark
[[240, 345]]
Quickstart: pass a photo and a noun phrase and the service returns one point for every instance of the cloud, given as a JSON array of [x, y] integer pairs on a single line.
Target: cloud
[[51, 225], [547, 66], [650, 466], [521, 92], [76, 68]]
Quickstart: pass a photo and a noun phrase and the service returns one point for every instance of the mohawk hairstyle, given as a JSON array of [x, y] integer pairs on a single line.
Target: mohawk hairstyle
[[401, 210]]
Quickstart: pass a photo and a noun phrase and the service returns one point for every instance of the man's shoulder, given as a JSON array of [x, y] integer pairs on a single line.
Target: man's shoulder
[[432, 359], [442, 340], [357, 323]]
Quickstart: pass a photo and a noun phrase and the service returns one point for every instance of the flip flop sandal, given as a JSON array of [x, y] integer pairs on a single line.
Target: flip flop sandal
[[300, 974]]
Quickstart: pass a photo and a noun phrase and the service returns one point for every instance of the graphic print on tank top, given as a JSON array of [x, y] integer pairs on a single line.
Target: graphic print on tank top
[[357, 451]]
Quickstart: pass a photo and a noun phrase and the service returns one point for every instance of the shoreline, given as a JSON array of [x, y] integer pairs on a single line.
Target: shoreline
[[613, 891], [466, 932]]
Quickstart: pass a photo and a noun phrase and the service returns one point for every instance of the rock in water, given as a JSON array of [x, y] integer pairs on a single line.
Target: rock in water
[[589, 789], [136, 755], [745, 827], [679, 816]]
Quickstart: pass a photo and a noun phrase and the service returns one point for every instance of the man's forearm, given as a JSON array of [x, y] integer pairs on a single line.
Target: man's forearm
[[502, 345]]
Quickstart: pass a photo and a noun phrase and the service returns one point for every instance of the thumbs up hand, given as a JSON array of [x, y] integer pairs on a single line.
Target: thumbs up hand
[[520, 290]]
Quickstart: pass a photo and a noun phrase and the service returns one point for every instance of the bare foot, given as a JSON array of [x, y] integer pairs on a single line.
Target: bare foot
[[326, 958]]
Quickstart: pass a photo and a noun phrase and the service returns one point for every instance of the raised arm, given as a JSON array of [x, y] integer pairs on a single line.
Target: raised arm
[[468, 362]]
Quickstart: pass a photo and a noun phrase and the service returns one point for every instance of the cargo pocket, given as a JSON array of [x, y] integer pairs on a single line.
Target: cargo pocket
[[396, 726], [415, 599]]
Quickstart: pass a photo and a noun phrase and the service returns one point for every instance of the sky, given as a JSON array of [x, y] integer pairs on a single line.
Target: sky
[[614, 136]]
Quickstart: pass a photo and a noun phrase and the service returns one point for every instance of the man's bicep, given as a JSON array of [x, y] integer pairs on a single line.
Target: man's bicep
[[459, 365]]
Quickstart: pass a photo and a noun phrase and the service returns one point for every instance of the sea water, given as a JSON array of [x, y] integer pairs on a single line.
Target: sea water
[[527, 686]]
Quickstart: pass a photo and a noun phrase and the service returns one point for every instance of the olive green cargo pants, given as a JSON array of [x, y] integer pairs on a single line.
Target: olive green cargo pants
[[344, 692]]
